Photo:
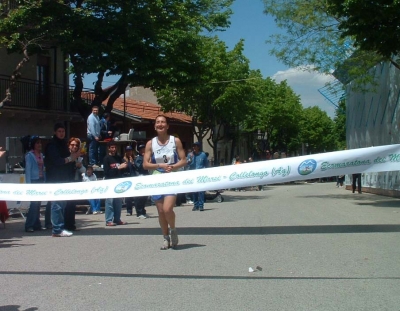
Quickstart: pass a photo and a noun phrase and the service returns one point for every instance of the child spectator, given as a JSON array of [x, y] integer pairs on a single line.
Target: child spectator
[[94, 203]]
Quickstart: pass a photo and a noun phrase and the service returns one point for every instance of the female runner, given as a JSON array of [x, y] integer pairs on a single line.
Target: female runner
[[165, 154]]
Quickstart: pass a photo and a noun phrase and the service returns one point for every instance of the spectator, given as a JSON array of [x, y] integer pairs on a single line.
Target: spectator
[[140, 202], [58, 163], [130, 171], [341, 180], [94, 203], [198, 161], [189, 155], [164, 154], [106, 134], [114, 166], [236, 162], [74, 145], [93, 136], [106, 128], [356, 180], [34, 174]]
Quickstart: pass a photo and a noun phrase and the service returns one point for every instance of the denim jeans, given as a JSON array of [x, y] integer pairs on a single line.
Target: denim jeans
[[57, 216], [113, 210], [93, 150], [33, 217], [94, 205], [47, 216], [198, 199]]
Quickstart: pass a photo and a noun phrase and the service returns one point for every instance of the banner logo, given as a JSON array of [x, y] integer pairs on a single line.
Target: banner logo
[[307, 167], [122, 187]]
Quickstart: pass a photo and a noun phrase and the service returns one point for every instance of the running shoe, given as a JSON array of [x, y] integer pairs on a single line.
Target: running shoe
[[174, 238], [166, 243], [63, 233]]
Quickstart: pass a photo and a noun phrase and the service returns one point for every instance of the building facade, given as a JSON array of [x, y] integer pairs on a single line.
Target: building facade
[[372, 119]]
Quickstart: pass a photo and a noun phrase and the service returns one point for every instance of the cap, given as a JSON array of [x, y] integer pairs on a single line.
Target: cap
[[128, 148], [196, 144], [141, 146]]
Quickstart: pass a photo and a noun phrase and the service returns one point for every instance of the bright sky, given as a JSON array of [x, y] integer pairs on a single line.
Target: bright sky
[[250, 23]]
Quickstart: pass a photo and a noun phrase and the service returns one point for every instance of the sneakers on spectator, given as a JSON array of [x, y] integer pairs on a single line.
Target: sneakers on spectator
[[174, 237], [120, 223], [201, 209], [190, 202], [95, 166], [29, 230], [166, 243], [110, 224], [95, 213], [63, 233], [142, 217], [195, 209]]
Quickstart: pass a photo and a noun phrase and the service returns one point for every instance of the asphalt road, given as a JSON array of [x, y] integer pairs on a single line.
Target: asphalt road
[[317, 247]]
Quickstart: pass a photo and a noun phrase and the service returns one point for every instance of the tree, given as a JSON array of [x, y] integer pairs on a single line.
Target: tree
[[313, 40], [150, 43], [340, 125], [317, 130], [277, 113], [219, 98], [373, 25]]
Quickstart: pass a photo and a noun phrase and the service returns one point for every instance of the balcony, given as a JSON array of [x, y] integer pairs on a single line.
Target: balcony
[[9, 5], [32, 95]]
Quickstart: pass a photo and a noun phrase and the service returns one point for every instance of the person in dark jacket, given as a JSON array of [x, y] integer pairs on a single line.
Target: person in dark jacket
[[59, 163], [140, 202], [114, 167]]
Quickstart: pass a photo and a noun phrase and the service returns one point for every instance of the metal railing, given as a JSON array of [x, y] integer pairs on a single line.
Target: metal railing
[[30, 94]]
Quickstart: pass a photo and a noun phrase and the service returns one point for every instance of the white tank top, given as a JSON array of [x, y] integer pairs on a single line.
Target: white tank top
[[164, 153]]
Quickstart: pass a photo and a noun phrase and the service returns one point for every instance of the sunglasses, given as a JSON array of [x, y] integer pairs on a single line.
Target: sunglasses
[[73, 144]]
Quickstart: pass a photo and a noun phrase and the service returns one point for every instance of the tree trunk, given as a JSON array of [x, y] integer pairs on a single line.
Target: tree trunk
[[14, 79]]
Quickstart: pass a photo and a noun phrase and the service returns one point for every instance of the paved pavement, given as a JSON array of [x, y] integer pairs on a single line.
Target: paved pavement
[[317, 247]]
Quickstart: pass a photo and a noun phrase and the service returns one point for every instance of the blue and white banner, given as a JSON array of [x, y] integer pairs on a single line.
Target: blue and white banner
[[373, 159]]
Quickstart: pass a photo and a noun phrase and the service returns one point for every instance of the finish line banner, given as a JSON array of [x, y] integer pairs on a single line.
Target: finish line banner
[[373, 159]]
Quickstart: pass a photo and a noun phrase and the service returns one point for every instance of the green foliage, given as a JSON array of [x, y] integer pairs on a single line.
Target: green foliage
[[152, 43], [276, 111], [317, 131], [313, 38], [374, 25], [340, 125], [219, 96]]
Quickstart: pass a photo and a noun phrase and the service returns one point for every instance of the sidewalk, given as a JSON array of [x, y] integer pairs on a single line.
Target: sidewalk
[[317, 247]]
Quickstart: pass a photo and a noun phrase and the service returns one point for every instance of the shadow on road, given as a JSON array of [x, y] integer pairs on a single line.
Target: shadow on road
[[263, 230], [16, 308], [185, 276]]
